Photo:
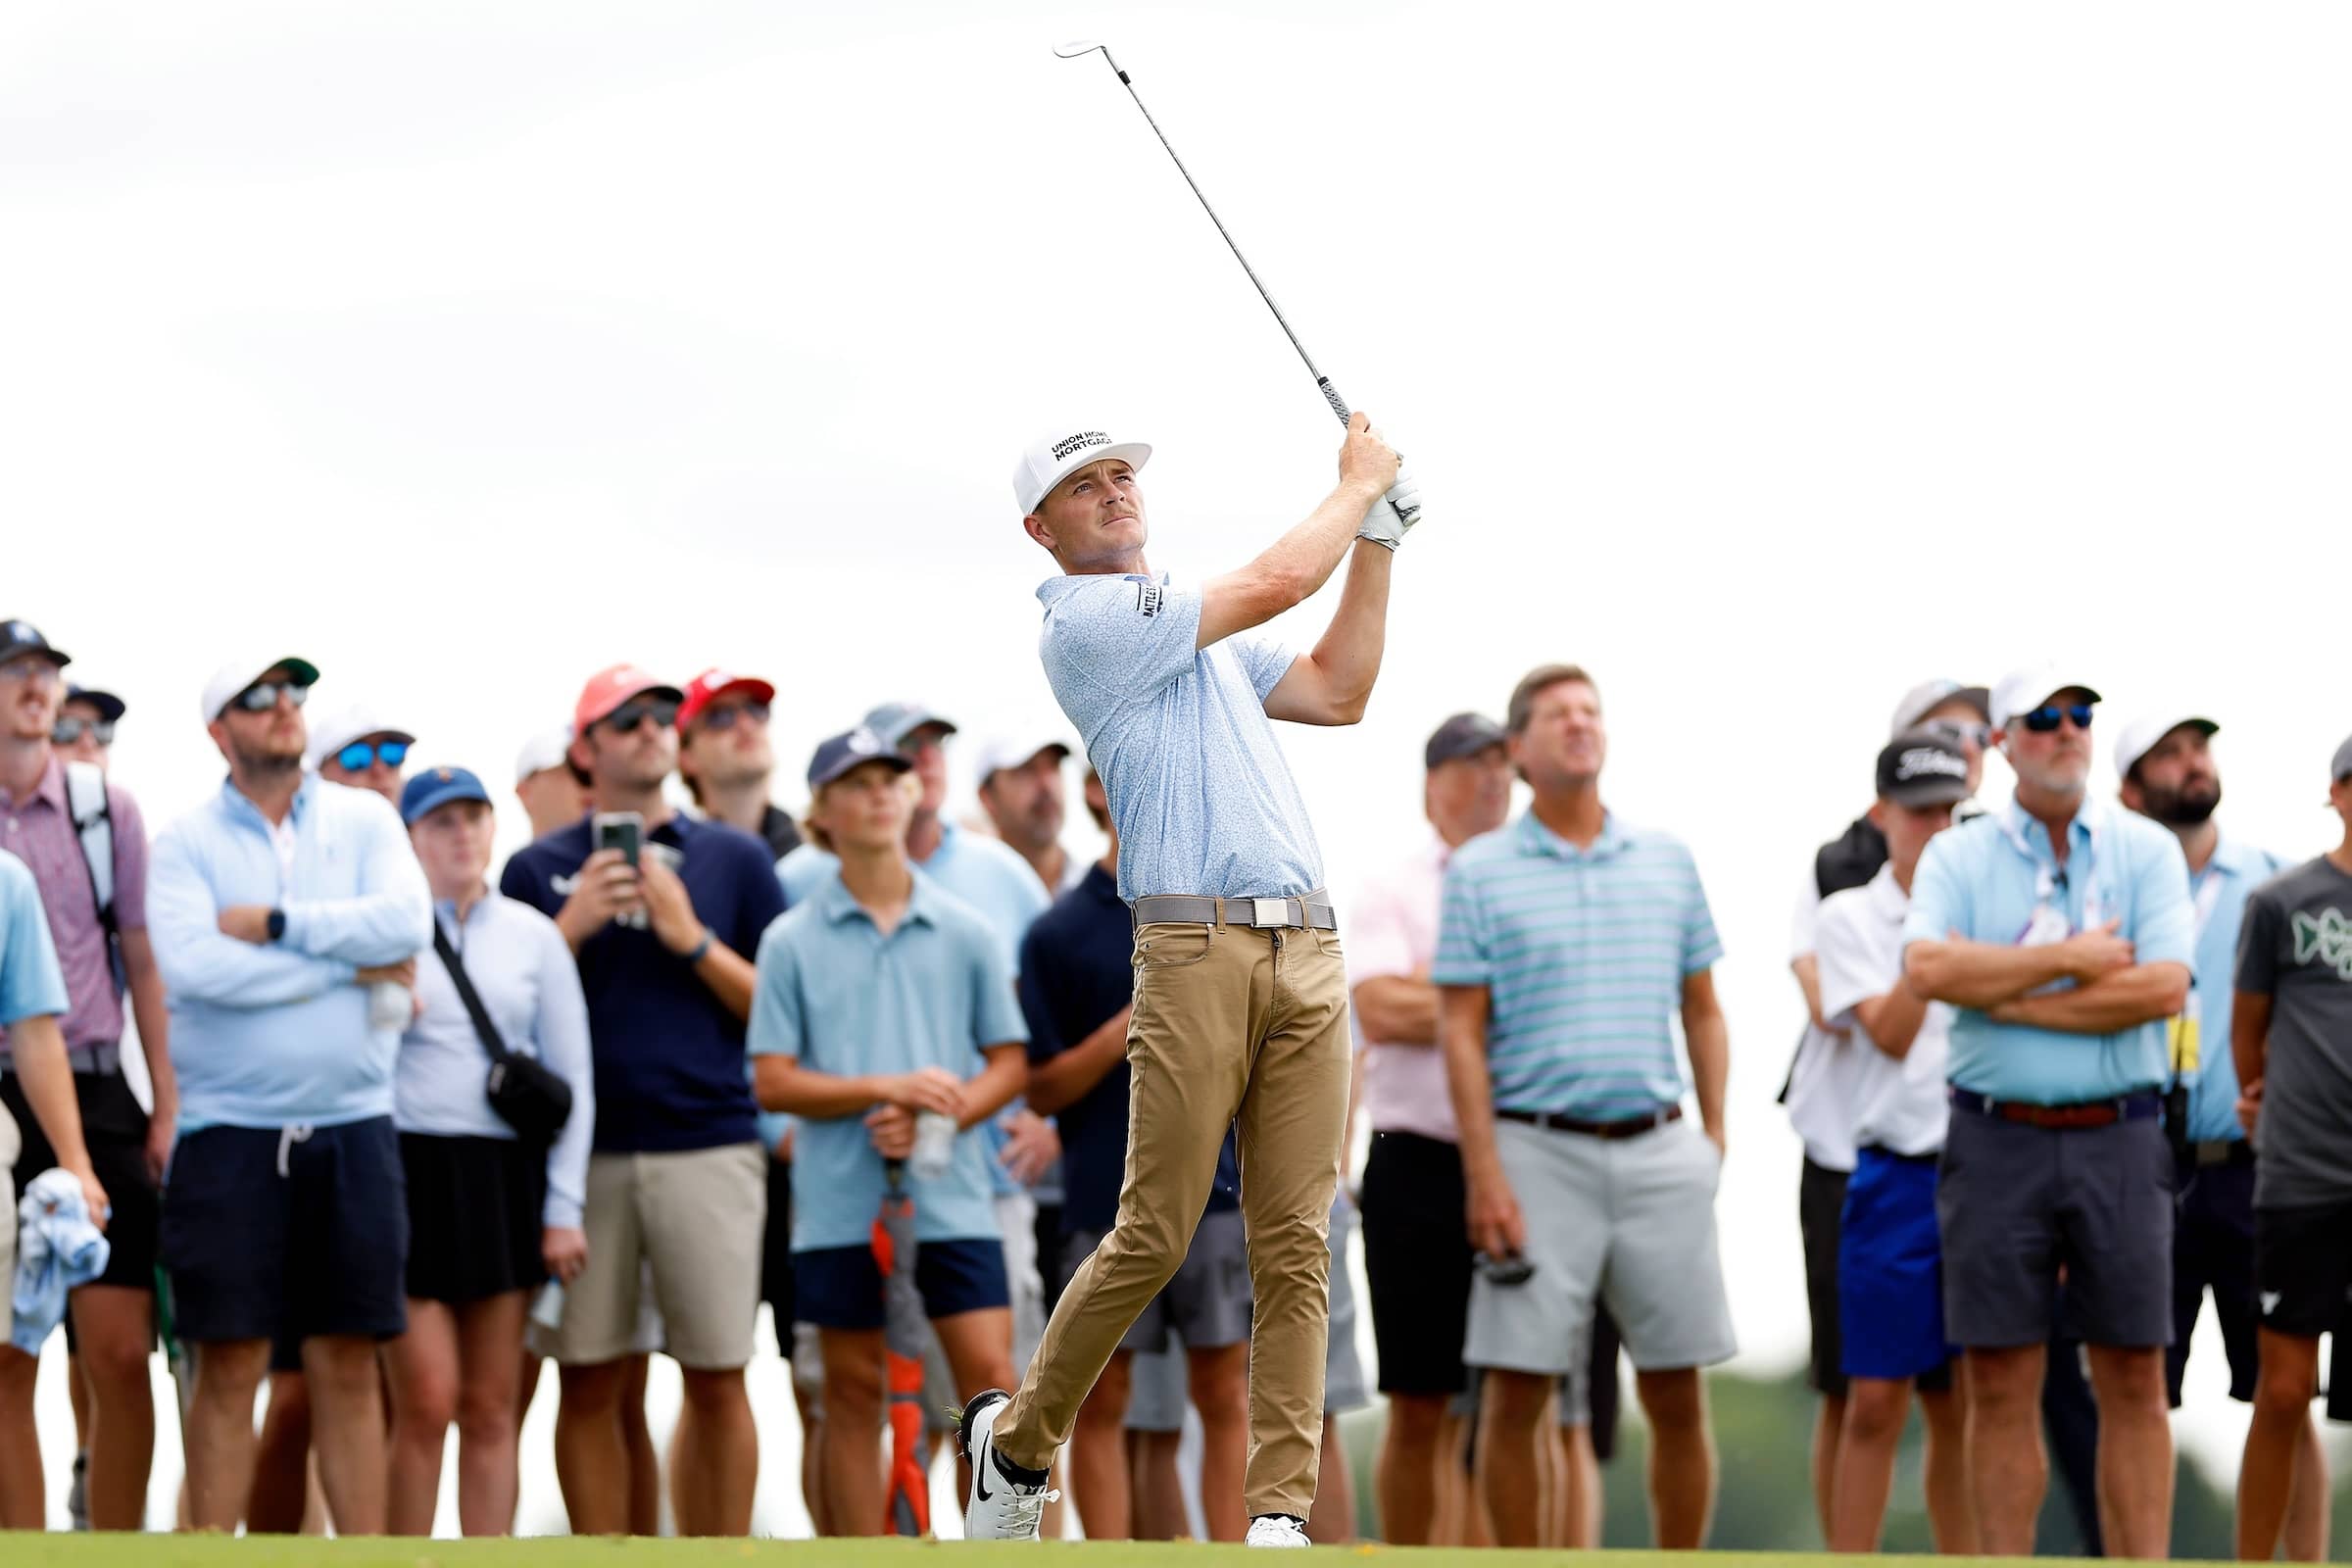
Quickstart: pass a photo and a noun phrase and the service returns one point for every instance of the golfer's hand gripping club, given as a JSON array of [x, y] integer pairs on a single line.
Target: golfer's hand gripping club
[[1398, 508], [1392, 516]]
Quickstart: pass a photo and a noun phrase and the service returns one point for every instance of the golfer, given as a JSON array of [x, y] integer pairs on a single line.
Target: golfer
[[1241, 1002]]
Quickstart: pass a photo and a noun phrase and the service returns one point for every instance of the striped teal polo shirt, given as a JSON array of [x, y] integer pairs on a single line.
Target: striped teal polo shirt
[[1583, 953]]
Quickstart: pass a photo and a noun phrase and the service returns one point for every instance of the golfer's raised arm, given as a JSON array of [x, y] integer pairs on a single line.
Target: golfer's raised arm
[[1291, 569]]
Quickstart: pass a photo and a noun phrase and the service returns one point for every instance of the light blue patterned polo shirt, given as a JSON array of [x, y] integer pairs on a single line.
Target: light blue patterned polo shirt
[[1202, 796]]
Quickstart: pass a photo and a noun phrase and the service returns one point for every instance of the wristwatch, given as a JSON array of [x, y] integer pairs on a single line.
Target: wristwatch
[[702, 947], [277, 925]]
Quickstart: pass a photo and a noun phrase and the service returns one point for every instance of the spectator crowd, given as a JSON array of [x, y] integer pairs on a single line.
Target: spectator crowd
[[2072, 1062]]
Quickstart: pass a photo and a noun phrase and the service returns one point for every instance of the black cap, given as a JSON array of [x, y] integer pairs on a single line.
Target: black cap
[[1462, 735], [1920, 768], [19, 637], [110, 707]]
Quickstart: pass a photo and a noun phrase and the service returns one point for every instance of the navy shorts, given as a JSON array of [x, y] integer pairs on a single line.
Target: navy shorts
[[282, 1234], [1890, 1269], [840, 1287], [2213, 1250], [2018, 1204]]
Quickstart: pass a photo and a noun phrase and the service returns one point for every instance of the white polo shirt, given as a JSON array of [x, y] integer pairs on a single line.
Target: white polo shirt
[[1898, 1104], [1822, 1080], [1392, 931]]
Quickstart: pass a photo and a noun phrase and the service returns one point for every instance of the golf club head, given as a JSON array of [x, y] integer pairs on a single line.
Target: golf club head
[[1076, 47]]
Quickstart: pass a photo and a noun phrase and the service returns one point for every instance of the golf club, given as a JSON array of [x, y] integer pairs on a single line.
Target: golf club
[[1331, 394]]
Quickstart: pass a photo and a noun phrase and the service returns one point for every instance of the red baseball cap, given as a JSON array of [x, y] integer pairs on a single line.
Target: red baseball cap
[[607, 689], [712, 684]]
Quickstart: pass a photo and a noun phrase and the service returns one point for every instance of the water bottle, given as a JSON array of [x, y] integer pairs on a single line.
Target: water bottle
[[390, 1005], [934, 1145], [548, 1310]]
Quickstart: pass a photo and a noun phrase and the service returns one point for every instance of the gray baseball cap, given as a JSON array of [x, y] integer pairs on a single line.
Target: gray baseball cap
[[1462, 735], [895, 721], [2342, 769], [1932, 694]]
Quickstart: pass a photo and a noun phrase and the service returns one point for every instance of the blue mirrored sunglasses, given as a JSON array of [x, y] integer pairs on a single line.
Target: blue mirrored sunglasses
[[360, 754], [2047, 718]]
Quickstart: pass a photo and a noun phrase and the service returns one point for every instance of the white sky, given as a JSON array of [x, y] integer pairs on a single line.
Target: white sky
[[1763, 359]]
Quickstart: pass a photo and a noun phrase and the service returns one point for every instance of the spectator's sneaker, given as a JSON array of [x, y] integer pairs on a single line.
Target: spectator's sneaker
[[1008, 1501], [78, 1497], [1276, 1530]]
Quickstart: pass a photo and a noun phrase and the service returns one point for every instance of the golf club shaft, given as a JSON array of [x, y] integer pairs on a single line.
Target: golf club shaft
[[1331, 394]]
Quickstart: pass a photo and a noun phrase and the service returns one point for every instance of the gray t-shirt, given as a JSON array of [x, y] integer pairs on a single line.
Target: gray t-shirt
[[2296, 947]]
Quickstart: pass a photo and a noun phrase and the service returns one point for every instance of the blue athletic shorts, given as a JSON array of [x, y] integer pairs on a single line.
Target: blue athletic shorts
[[1890, 1269]]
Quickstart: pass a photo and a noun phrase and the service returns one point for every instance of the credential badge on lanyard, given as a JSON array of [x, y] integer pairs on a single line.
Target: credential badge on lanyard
[[2049, 923]]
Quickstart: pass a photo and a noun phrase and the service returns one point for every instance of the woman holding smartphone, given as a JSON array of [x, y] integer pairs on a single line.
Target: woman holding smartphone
[[492, 1216]]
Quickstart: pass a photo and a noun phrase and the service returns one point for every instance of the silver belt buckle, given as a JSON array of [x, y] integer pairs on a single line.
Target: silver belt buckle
[[1265, 912]]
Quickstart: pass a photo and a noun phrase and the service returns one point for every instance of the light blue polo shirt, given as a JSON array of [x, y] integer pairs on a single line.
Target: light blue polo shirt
[[1985, 879], [31, 985], [1202, 796], [1583, 953], [2218, 904], [844, 999]]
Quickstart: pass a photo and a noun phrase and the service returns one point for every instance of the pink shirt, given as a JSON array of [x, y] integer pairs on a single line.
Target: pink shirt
[[40, 831], [1392, 930]]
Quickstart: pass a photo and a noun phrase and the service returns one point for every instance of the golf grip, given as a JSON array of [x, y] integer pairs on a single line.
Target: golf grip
[[1338, 406]]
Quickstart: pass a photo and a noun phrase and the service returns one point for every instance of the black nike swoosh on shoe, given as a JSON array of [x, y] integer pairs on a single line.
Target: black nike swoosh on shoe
[[980, 1480]]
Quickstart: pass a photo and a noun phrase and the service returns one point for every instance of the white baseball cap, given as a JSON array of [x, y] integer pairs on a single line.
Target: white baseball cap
[[1001, 751], [341, 727], [1931, 694], [1057, 454], [2140, 736], [2021, 691], [237, 674], [543, 750]]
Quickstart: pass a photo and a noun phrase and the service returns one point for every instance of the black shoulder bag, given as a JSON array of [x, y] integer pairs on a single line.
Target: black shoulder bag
[[526, 1094]]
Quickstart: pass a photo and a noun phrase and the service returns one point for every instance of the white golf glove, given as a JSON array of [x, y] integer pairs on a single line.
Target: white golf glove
[[1393, 513]]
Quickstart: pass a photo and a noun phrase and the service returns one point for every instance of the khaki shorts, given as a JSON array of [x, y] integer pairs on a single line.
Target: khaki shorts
[[688, 1228]]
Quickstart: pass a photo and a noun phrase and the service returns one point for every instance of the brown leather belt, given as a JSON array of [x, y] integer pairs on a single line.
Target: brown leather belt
[[1629, 1127], [1194, 909], [2144, 1105]]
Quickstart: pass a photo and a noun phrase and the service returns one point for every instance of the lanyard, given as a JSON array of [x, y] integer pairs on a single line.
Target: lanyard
[[2013, 823]]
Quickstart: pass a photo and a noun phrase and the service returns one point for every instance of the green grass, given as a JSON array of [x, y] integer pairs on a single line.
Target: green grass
[[562, 1552]]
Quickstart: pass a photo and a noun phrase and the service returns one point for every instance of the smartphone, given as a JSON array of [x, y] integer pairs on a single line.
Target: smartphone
[[1512, 1271], [620, 830]]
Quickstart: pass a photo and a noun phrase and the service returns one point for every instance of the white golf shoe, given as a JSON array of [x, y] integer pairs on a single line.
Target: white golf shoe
[[1276, 1530], [1007, 1502]]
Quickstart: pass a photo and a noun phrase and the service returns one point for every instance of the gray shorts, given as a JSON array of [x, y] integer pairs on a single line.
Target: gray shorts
[[2018, 1204], [1630, 1221], [1343, 1369], [1159, 1386], [1208, 1302]]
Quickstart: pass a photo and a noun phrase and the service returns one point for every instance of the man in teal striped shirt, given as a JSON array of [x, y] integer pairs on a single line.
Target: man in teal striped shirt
[[1567, 942]]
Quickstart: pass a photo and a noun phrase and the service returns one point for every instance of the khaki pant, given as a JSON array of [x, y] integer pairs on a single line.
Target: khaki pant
[[1229, 1022]]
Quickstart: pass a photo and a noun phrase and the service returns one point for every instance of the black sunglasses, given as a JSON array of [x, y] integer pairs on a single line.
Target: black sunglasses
[[624, 720], [69, 730], [725, 718], [263, 695], [2048, 716]]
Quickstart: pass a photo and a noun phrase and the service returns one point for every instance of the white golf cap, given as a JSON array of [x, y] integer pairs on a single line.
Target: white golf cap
[[237, 674], [1056, 455], [340, 729], [2140, 736], [1932, 694], [2021, 691], [543, 750], [1001, 751]]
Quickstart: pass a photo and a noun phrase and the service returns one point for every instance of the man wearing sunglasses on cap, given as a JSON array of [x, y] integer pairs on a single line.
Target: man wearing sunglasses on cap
[[278, 909], [351, 748], [84, 732], [2063, 933], [87, 846], [677, 1175], [724, 758]]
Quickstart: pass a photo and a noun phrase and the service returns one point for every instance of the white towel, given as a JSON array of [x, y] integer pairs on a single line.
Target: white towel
[[57, 1250]]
